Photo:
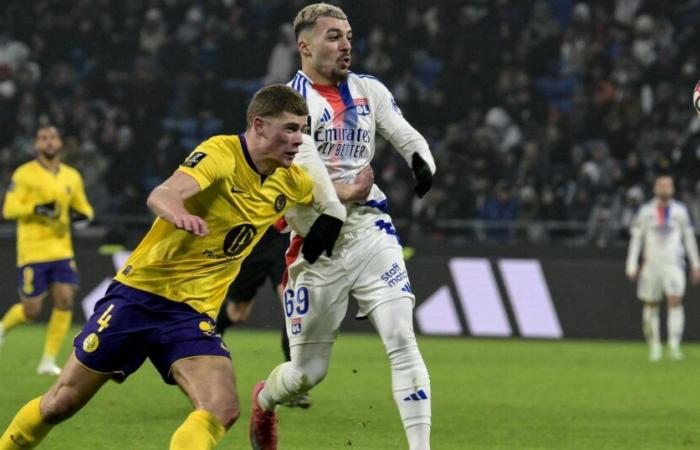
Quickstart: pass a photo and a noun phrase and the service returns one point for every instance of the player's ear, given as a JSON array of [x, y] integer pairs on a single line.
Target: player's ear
[[259, 126], [304, 48]]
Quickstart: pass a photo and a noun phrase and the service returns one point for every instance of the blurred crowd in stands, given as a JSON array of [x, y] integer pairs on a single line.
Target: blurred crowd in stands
[[538, 111]]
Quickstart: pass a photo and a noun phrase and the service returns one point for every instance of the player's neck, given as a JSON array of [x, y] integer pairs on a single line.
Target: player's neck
[[261, 164], [317, 78], [51, 164]]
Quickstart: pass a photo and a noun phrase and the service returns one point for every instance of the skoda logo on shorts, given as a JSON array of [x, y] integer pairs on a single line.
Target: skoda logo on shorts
[[280, 202], [238, 239]]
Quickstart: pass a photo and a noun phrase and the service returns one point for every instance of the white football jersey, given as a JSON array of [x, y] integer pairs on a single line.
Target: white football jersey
[[666, 233], [343, 120]]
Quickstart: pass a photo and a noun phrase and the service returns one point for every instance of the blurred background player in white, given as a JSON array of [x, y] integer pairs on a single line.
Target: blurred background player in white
[[346, 110], [663, 228], [45, 197]]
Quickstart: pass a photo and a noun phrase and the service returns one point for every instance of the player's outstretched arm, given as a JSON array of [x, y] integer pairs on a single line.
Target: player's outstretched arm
[[81, 212], [17, 205], [634, 249], [168, 201], [358, 191], [406, 140], [691, 248]]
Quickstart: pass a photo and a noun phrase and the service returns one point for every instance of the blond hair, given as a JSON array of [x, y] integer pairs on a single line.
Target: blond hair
[[307, 17], [275, 100]]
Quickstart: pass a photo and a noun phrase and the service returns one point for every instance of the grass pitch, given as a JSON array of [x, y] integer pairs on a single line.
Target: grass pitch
[[487, 394]]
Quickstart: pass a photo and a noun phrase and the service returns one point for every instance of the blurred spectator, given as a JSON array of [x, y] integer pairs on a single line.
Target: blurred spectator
[[541, 110]]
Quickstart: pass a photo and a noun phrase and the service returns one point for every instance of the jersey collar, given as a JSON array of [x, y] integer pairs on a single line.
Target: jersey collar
[[248, 159]]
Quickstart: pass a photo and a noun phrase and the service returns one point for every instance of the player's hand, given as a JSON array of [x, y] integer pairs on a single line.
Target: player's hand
[[194, 224], [78, 219], [47, 210], [632, 275], [322, 236], [695, 276], [421, 172]]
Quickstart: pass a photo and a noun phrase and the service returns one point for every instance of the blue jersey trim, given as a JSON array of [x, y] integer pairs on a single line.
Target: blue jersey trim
[[388, 227], [383, 206], [248, 159]]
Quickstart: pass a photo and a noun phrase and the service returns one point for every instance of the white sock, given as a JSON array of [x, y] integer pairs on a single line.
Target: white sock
[[650, 322], [418, 437], [411, 386], [676, 324], [409, 377], [289, 380]]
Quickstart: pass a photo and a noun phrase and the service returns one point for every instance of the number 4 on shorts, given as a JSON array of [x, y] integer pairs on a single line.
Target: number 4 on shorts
[[104, 319]]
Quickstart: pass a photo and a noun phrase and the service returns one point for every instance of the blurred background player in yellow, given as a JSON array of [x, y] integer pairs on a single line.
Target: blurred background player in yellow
[[162, 303], [45, 196]]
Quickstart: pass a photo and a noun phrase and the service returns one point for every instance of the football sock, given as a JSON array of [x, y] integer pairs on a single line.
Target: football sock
[[27, 429], [411, 388], [289, 380], [409, 376], [200, 431], [650, 321], [13, 317], [675, 323], [418, 436], [285, 343], [58, 327]]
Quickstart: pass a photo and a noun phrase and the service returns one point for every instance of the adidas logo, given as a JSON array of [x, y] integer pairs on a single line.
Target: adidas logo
[[417, 396], [407, 288]]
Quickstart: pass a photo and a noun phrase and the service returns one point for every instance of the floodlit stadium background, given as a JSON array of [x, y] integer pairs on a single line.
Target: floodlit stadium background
[[548, 121]]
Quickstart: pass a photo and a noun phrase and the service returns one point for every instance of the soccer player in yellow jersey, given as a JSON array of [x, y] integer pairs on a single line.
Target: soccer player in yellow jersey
[[163, 301], [45, 196]]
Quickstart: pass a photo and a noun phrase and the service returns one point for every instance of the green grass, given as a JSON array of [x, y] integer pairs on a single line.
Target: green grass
[[487, 394]]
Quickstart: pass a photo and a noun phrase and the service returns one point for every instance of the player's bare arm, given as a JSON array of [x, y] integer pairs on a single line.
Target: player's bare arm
[[168, 201], [358, 191]]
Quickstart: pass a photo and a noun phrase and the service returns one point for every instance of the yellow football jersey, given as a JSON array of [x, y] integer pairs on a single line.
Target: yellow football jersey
[[238, 205], [39, 238]]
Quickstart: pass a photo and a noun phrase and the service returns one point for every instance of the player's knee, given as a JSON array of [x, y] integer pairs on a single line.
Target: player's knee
[[63, 298], [238, 312], [312, 374], [675, 302], [399, 338], [32, 310], [65, 303], [238, 316]]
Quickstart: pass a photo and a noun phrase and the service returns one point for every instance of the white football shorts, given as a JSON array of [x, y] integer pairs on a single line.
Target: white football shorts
[[657, 282], [366, 264]]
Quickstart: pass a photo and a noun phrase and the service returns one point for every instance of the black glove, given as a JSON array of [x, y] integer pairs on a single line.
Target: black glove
[[78, 219], [47, 210], [421, 171], [322, 236]]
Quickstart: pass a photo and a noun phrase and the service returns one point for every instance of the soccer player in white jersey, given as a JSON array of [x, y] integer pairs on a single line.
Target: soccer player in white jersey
[[664, 229], [346, 110]]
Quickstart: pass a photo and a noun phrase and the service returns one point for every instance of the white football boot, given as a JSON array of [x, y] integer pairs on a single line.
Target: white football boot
[[48, 366]]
